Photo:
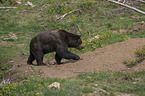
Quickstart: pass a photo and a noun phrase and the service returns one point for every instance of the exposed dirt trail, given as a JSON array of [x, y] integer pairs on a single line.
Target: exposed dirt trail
[[107, 58]]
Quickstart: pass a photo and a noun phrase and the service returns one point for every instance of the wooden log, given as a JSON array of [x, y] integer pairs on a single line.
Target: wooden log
[[127, 6]]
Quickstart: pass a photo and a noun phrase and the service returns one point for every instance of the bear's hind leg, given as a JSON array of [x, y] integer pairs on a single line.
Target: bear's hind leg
[[58, 59], [39, 58], [30, 59]]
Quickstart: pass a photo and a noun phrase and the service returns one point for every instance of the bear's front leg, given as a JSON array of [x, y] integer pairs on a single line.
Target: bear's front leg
[[58, 59], [62, 52], [67, 55]]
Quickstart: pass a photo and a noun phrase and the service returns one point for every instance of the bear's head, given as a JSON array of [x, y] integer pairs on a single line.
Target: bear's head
[[79, 44], [72, 40], [76, 42]]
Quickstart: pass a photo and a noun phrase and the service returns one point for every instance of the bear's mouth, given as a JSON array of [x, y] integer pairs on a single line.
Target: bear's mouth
[[80, 47]]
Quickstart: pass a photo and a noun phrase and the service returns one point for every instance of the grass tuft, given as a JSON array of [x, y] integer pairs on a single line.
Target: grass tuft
[[140, 57]]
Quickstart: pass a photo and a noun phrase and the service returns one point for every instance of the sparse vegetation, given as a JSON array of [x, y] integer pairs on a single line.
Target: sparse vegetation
[[4, 70], [141, 52], [140, 57], [130, 63], [99, 22], [103, 83]]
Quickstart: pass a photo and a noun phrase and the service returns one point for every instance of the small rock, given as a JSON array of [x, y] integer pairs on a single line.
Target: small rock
[[20, 45], [6, 39], [54, 85], [104, 91], [12, 35], [96, 84], [29, 3], [22, 36], [95, 37], [123, 31], [11, 61], [18, 2]]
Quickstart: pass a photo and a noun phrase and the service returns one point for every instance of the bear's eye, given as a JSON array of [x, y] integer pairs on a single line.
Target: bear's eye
[[79, 42]]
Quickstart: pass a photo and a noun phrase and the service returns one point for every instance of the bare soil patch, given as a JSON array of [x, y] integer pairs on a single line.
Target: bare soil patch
[[109, 57]]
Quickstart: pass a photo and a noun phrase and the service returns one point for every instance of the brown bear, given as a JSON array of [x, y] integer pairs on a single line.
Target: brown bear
[[54, 41]]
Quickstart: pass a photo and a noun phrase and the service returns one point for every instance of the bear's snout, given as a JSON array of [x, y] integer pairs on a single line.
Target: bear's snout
[[81, 46]]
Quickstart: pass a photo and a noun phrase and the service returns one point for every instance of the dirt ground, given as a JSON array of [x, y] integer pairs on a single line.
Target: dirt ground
[[107, 58]]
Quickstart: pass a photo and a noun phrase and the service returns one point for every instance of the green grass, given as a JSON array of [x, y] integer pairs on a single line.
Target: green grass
[[95, 17], [130, 83], [98, 18], [107, 83], [34, 86]]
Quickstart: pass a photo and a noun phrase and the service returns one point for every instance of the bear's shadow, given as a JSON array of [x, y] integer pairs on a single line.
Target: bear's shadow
[[64, 62]]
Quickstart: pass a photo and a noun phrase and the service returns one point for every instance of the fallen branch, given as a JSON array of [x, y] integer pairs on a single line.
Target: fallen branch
[[11, 68], [79, 27], [7, 7], [61, 17], [5, 81], [127, 6], [142, 1], [121, 0]]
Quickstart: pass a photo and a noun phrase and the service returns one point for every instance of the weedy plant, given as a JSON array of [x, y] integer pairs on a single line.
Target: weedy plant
[[140, 57], [141, 52], [130, 62]]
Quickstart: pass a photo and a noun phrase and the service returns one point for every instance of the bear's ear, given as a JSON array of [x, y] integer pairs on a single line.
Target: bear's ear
[[79, 35]]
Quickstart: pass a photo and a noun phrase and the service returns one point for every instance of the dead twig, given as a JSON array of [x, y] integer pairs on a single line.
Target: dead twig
[[127, 6], [7, 7], [142, 1], [5, 81], [79, 27], [61, 17], [11, 68], [121, 0]]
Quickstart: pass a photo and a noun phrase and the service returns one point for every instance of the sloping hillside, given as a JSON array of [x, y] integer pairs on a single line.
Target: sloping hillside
[[107, 58]]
